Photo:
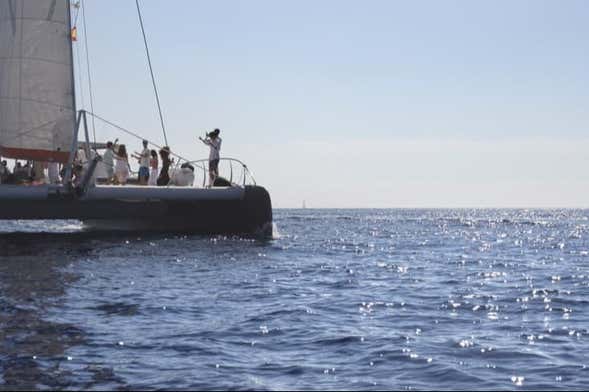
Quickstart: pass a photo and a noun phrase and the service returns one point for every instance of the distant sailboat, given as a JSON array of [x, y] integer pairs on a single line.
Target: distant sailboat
[[38, 122], [304, 205]]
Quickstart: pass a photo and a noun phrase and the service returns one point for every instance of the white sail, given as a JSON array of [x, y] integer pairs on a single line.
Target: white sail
[[37, 106]]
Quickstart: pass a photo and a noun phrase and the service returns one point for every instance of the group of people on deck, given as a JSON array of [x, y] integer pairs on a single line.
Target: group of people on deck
[[31, 172], [117, 169], [116, 162]]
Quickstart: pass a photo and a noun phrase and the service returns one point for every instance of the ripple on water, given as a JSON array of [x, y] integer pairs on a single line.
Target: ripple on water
[[342, 299]]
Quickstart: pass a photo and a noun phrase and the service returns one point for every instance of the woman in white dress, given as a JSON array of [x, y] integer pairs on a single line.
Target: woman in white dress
[[153, 169], [122, 165]]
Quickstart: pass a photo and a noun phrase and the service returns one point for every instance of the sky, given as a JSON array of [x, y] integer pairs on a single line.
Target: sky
[[349, 104]]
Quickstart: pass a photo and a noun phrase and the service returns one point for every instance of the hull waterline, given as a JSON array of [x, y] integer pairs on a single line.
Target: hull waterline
[[231, 210]]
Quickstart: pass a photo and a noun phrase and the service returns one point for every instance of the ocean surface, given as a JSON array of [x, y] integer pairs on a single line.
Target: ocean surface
[[340, 299]]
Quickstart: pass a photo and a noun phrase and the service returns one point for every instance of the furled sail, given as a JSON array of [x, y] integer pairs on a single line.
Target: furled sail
[[37, 106]]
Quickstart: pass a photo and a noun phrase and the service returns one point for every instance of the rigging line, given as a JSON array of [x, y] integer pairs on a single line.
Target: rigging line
[[79, 67], [78, 56], [136, 135], [88, 67], [77, 7], [80, 76], [157, 98]]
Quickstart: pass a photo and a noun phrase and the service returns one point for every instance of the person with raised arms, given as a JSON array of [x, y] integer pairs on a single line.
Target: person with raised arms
[[214, 142]]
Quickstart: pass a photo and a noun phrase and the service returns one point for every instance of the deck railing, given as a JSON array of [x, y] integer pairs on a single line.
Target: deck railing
[[232, 169]]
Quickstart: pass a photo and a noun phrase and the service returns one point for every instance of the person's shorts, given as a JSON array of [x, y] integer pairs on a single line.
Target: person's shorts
[[143, 172], [214, 165]]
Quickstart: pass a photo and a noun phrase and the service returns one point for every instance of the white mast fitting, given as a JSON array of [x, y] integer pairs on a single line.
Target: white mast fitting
[[37, 103]]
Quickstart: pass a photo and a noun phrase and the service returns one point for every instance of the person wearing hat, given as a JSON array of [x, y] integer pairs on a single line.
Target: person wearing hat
[[214, 142]]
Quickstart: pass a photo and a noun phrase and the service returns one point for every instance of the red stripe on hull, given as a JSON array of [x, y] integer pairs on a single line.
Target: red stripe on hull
[[35, 155]]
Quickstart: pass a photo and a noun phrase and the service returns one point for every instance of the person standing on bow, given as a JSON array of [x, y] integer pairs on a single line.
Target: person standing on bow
[[214, 142]]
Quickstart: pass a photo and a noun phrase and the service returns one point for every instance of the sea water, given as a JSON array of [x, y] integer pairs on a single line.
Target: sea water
[[340, 299]]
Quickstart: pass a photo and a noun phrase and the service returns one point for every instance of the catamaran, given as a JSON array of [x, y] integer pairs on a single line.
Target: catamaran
[[39, 122]]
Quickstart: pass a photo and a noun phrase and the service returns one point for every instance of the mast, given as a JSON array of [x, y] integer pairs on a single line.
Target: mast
[[71, 47], [76, 123]]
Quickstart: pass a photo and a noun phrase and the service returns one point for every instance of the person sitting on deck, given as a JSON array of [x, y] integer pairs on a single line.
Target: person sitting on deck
[[214, 142], [80, 156], [122, 168], [20, 173], [77, 168], [143, 159], [183, 176], [164, 177], [53, 172], [38, 173], [28, 171], [4, 172], [85, 159]]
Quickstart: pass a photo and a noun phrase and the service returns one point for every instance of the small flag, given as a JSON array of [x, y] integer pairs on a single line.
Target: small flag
[[74, 33]]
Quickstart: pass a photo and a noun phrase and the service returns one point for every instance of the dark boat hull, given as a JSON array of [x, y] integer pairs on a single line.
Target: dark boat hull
[[234, 210]]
